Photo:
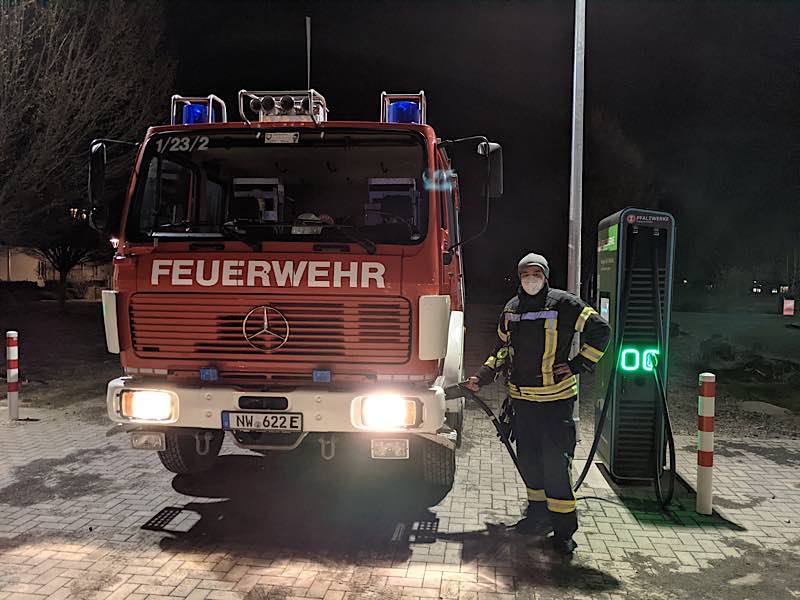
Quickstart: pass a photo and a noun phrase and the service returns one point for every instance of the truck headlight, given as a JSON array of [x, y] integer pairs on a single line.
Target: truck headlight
[[388, 411], [147, 405]]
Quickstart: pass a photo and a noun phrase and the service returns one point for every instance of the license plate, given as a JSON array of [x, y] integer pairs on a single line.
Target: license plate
[[253, 421]]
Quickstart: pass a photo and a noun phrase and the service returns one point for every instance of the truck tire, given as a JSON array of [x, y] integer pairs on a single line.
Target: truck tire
[[181, 455], [438, 464]]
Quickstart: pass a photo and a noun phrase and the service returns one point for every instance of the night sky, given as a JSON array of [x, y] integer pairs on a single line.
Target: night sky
[[705, 94]]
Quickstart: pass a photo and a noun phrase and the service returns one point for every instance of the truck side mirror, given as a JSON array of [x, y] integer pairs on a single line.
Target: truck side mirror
[[490, 155], [104, 214], [495, 152], [97, 173]]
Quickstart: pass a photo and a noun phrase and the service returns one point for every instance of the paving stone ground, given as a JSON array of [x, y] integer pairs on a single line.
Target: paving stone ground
[[74, 497]]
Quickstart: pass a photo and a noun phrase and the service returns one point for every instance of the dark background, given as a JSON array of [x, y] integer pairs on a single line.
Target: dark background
[[702, 96]]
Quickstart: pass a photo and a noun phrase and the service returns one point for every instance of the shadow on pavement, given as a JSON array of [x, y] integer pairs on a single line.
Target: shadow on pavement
[[535, 565], [640, 500], [290, 504], [299, 506]]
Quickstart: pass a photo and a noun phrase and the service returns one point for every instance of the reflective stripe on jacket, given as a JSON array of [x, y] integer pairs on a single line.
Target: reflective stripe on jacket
[[535, 334]]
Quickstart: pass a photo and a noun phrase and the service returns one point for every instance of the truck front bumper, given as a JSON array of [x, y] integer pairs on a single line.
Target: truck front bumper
[[161, 404]]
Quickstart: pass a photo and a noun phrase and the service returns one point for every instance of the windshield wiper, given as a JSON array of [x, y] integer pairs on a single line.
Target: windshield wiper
[[231, 229], [162, 226], [179, 230], [348, 231], [238, 228]]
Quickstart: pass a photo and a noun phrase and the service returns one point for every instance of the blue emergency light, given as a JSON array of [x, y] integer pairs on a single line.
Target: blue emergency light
[[403, 111], [196, 113]]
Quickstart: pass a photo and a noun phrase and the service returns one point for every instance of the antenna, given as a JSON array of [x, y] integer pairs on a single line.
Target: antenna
[[308, 53]]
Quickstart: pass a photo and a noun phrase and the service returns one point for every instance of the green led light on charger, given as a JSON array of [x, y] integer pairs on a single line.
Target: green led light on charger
[[650, 359], [632, 359], [625, 361]]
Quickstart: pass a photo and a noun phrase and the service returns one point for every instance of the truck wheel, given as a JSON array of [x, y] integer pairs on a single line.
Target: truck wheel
[[181, 454], [438, 464]]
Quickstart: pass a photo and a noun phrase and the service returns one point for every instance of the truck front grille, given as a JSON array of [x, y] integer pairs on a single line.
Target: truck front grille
[[323, 330]]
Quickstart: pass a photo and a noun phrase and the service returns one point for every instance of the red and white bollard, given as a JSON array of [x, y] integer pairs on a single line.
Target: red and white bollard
[[705, 442], [12, 373]]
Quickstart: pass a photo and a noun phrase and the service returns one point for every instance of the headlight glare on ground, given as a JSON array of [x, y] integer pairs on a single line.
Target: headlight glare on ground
[[147, 405], [389, 411]]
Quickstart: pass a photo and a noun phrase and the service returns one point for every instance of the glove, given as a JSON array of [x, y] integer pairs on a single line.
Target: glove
[[580, 364], [473, 384], [562, 371]]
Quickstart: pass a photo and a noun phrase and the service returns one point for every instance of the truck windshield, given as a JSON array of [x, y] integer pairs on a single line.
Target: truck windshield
[[364, 187]]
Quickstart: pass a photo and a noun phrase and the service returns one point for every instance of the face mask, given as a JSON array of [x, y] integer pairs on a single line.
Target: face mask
[[532, 285]]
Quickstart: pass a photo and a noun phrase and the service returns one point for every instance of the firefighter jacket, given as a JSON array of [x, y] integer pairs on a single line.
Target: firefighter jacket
[[535, 334]]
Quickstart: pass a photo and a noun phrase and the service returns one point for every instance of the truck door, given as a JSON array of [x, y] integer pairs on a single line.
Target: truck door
[[452, 272]]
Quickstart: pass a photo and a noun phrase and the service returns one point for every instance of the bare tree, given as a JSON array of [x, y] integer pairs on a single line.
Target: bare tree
[[66, 242], [69, 72], [616, 175]]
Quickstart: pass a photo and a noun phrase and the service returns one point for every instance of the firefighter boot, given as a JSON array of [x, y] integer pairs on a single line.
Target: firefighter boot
[[536, 521], [563, 546]]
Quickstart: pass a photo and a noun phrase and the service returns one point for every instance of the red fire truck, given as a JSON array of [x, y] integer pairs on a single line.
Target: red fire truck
[[289, 280]]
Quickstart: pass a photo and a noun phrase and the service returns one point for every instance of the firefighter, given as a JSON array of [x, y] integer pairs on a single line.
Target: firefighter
[[535, 335]]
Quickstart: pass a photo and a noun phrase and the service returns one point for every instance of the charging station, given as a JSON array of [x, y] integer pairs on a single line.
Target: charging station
[[636, 249]]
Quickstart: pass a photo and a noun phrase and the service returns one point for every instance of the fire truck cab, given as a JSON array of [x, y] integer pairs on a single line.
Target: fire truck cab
[[289, 280]]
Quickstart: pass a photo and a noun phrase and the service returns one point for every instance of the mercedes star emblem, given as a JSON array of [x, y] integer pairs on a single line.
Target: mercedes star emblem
[[265, 328]]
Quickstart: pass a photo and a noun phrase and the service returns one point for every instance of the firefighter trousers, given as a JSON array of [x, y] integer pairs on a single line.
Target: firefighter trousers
[[545, 434]]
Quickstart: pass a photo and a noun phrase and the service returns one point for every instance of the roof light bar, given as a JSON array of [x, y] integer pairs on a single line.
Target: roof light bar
[[302, 105]]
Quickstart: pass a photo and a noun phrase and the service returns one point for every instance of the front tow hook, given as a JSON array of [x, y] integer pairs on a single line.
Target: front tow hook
[[327, 446]]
